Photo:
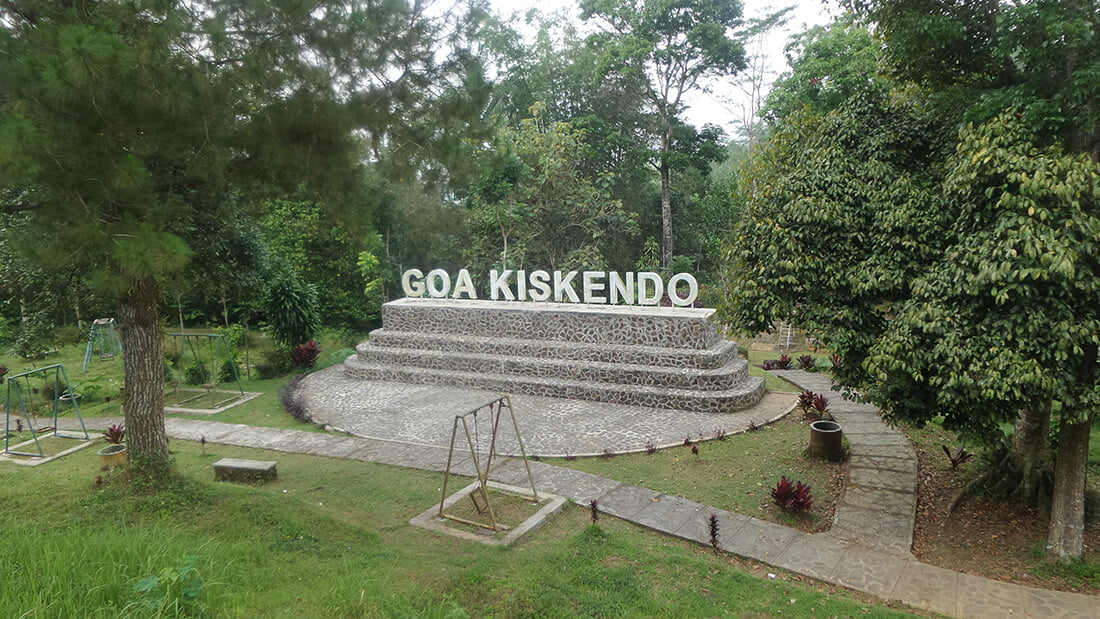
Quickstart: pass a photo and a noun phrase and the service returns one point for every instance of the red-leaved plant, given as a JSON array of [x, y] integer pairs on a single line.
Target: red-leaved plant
[[807, 362], [806, 401], [115, 434], [305, 356], [792, 498]]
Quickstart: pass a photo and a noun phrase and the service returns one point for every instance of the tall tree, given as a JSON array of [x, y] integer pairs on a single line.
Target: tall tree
[[533, 191], [120, 120], [970, 290], [672, 44]]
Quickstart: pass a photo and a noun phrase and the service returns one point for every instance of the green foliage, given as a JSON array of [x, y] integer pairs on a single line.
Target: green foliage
[[196, 373], [229, 371], [828, 65], [533, 206], [1020, 333], [669, 46], [174, 591], [328, 254], [275, 363], [292, 312], [842, 212]]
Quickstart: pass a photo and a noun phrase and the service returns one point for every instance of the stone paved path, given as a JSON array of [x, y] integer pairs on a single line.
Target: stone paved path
[[424, 414], [868, 550]]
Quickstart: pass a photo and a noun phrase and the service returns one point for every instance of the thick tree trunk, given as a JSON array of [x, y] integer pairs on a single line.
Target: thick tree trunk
[[1066, 538], [1031, 444], [139, 327]]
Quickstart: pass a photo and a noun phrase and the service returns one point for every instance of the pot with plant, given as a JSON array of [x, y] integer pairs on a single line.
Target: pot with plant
[[114, 454]]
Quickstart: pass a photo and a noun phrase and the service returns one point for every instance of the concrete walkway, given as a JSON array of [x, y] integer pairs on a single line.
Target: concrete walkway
[[867, 550]]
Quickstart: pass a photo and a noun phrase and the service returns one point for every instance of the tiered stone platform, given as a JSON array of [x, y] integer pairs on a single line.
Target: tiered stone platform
[[669, 358]]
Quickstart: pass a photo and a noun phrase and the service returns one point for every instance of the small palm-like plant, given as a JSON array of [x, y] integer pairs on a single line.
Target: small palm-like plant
[[792, 498], [115, 434]]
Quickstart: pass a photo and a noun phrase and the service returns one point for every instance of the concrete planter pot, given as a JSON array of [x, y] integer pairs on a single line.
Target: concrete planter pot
[[111, 456], [826, 441]]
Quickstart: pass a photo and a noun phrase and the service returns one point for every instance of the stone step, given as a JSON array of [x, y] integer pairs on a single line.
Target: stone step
[[728, 377], [664, 327], [745, 395], [712, 358]]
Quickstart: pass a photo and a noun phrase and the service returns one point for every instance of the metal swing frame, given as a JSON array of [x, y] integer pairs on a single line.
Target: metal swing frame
[[220, 346], [60, 395], [494, 408], [103, 341]]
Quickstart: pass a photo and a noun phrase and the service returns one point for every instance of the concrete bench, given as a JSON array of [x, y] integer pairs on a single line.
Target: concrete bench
[[237, 469]]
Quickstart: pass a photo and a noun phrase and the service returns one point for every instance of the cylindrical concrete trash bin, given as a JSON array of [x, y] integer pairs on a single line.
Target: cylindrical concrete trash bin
[[825, 441]]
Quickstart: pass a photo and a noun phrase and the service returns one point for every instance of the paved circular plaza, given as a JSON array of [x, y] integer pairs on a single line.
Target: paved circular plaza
[[425, 414]]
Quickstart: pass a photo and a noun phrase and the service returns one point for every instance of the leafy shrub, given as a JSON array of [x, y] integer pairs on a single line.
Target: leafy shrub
[[807, 362], [169, 370], [274, 363], [782, 363], [173, 592], [292, 401], [806, 401], [341, 355], [821, 406], [70, 335], [305, 356], [291, 307], [228, 372], [196, 373], [792, 498], [333, 338]]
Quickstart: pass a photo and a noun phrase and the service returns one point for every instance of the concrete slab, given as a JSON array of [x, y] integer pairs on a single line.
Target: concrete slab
[[589, 487], [902, 464], [885, 479], [697, 528], [760, 540], [877, 499], [550, 426], [1060, 604], [667, 513], [870, 571], [429, 519], [929, 587], [815, 556], [983, 598], [624, 501]]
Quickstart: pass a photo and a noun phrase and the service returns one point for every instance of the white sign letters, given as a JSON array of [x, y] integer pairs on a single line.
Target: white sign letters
[[597, 287]]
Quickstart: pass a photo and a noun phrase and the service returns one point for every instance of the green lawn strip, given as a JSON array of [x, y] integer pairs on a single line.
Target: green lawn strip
[[775, 383], [330, 538], [735, 474]]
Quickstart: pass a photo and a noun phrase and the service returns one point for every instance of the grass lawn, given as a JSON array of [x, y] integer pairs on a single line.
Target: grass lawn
[[330, 539], [737, 473]]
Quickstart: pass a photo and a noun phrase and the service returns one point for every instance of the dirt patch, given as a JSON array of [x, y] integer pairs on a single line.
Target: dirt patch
[[983, 536]]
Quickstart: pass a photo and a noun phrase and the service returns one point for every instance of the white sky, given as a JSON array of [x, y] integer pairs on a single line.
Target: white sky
[[727, 105]]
